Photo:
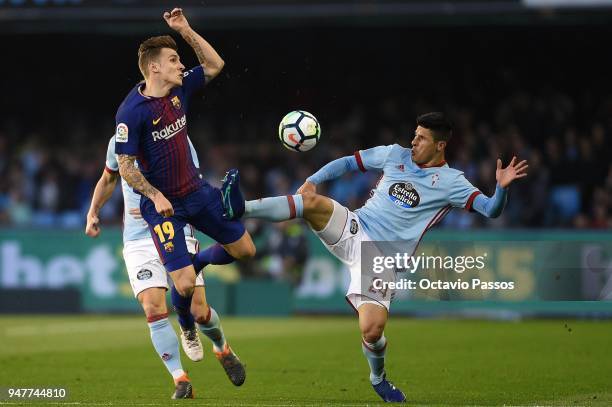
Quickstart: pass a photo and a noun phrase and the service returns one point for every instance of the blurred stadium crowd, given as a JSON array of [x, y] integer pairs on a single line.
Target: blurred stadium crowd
[[569, 183], [48, 168]]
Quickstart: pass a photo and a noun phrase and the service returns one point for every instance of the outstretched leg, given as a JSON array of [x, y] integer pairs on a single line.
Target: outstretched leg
[[314, 208]]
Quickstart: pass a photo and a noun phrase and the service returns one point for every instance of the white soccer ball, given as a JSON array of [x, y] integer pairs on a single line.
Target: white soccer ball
[[299, 131]]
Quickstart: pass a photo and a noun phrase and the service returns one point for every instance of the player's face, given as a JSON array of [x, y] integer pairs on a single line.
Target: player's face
[[170, 67], [423, 146]]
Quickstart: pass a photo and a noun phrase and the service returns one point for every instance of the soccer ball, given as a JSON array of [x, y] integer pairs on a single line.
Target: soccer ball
[[299, 131]]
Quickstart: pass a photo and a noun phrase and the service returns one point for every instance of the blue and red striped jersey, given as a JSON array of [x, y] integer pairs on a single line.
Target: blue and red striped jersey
[[155, 131]]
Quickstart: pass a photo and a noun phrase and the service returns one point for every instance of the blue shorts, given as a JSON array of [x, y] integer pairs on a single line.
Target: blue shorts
[[203, 210]]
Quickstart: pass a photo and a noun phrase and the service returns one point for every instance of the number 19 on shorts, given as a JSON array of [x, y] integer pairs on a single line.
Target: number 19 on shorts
[[165, 231]]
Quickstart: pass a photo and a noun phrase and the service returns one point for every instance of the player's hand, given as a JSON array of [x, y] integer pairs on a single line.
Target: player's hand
[[176, 20], [505, 176], [93, 225], [135, 212], [307, 187], [163, 206]]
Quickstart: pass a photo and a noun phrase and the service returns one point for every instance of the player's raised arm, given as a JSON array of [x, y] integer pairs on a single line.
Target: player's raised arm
[[329, 171], [136, 180], [208, 57], [102, 193]]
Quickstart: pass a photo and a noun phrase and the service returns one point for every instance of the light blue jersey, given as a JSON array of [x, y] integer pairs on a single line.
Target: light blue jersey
[[133, 228], [408, 200]]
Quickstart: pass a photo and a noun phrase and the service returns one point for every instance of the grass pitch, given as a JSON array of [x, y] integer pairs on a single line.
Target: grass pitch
[[109, 360]]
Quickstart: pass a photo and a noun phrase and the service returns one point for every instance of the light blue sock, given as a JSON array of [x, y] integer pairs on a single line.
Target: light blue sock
[[375, 354], [276, 209], [212, 329], [166, 345]]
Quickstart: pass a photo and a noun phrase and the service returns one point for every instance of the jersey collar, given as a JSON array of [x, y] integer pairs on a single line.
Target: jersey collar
[[440, 164], [139, 88]]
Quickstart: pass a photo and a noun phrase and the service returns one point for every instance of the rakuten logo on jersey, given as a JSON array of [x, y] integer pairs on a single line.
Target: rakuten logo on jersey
[[170, 130]]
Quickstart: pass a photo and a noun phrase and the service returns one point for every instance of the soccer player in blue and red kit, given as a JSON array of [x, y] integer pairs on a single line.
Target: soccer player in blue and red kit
[[416, 190], [152, 130]]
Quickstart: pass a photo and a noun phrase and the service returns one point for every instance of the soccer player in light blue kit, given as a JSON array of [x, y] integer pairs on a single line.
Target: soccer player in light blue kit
[[149, 280], [416, 190]]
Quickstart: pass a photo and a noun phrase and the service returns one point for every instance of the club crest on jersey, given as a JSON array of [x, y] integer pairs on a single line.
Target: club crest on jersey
[[170, 130], [434, 179], [404, 194], [176, 102], [169, 247], [401, 167]]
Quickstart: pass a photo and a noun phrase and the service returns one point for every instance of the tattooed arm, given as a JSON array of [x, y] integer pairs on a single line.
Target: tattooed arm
[[136, 180], [208, 57]]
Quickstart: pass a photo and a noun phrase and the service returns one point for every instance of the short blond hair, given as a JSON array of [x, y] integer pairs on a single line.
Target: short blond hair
[[150, 49]]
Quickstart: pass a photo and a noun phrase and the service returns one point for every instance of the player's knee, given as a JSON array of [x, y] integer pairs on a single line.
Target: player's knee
[[246, 251], [316, 205], [153, 302], [249, 251], [184, 287], [153, 308], [311, 200], [372, 332]]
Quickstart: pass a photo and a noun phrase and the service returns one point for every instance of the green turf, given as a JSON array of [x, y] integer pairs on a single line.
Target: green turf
[[109, 360]]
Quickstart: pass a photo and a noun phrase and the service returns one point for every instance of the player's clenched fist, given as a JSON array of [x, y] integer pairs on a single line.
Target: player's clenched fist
[[176, 19], [92, 229], [163, 206]]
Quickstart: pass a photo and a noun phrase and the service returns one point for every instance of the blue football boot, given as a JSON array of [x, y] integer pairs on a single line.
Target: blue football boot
[[388, 392], [232, 199]]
